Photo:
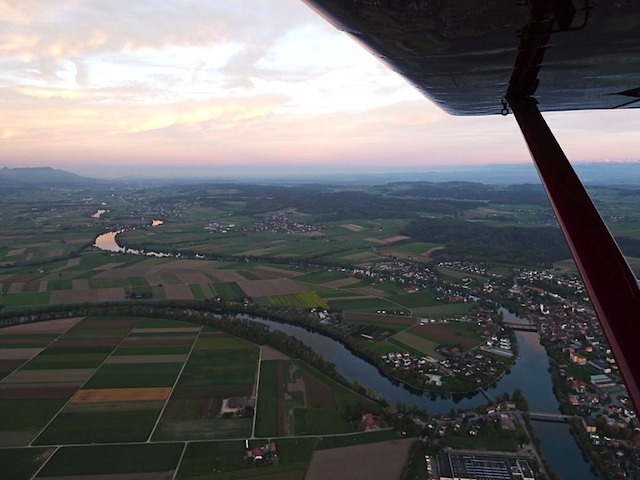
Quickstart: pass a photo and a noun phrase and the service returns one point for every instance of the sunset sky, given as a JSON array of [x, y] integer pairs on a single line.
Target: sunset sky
[[110, 88]]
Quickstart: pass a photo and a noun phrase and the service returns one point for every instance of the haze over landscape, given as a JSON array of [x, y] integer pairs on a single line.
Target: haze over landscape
[[237, 88]]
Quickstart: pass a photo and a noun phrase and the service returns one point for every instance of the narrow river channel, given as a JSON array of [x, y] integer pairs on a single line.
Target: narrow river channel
[[530, 374]]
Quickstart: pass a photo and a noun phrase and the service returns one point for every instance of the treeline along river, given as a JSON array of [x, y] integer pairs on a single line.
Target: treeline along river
[[530, 374]]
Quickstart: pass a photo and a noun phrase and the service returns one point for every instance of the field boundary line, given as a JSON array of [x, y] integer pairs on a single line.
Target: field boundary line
[[255, 410], [53, 340], [184, 450], [44, 464], [175, 383]]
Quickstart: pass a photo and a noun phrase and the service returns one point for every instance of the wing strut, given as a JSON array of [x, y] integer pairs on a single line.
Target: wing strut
[[611, 284]]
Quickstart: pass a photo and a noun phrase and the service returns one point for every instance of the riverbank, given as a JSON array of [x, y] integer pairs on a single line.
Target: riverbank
[[462, 372], [528, 371]]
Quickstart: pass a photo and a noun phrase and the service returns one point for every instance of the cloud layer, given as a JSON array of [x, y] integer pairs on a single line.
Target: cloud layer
[[232, 82]]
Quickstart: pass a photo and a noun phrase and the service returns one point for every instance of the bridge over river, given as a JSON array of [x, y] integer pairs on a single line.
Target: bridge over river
[[551, 417], [522, 326]]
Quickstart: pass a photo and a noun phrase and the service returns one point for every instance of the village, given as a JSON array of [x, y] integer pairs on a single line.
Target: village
[[586, 379]]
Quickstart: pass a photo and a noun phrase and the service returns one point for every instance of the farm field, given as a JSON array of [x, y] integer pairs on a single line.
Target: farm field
[[301, 401], [96, 277], [396, 265], [134, 390], [423, 339]]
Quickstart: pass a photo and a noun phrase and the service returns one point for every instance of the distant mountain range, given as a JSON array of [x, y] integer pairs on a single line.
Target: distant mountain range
[[621, 174], [602, 173], [14, 178]]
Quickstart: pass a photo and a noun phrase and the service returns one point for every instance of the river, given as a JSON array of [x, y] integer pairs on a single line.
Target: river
[[108, 242], [530, 374]]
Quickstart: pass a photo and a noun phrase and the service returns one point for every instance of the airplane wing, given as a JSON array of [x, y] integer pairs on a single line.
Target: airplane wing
[[466, 54], [484, 57]]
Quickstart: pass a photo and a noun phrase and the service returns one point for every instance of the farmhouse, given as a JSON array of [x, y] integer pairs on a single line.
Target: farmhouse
[[266, 454], [368, 422], [233, 406]]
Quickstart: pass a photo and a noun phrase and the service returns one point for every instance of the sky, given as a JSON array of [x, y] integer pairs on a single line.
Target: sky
[[252, 87]]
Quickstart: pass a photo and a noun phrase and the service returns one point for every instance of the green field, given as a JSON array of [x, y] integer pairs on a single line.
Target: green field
[[134, 375], [98, 427], [228, 291], [321, 277], [227, 459], [267, 408], [311, 421], [18, 464], [445, 310], [152, 350], [423, 345], [198, 292], [496, 439], [387, 321], [114, 459], [28, 414], [25, 299], [368, 305], [220, 360], [425, 298], [46, 360]]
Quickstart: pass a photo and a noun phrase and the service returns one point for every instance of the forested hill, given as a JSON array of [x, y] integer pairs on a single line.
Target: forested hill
[[467, 240], [532, 194]]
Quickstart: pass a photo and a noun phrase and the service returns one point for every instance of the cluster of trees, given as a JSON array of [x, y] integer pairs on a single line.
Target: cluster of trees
[[513, 194], [333, 206]]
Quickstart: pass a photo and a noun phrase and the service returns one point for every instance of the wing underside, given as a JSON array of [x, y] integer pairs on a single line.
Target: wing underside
[[463, 54], [482, 57]]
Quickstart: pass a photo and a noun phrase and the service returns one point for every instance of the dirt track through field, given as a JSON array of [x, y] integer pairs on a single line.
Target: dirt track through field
[[121, 395]]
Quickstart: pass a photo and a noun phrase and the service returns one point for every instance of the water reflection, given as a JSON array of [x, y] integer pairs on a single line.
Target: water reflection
[[108, 242]]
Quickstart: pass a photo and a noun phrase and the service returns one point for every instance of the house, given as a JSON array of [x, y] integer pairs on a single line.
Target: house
[[233, 406], [589, 424], [368, 422]]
